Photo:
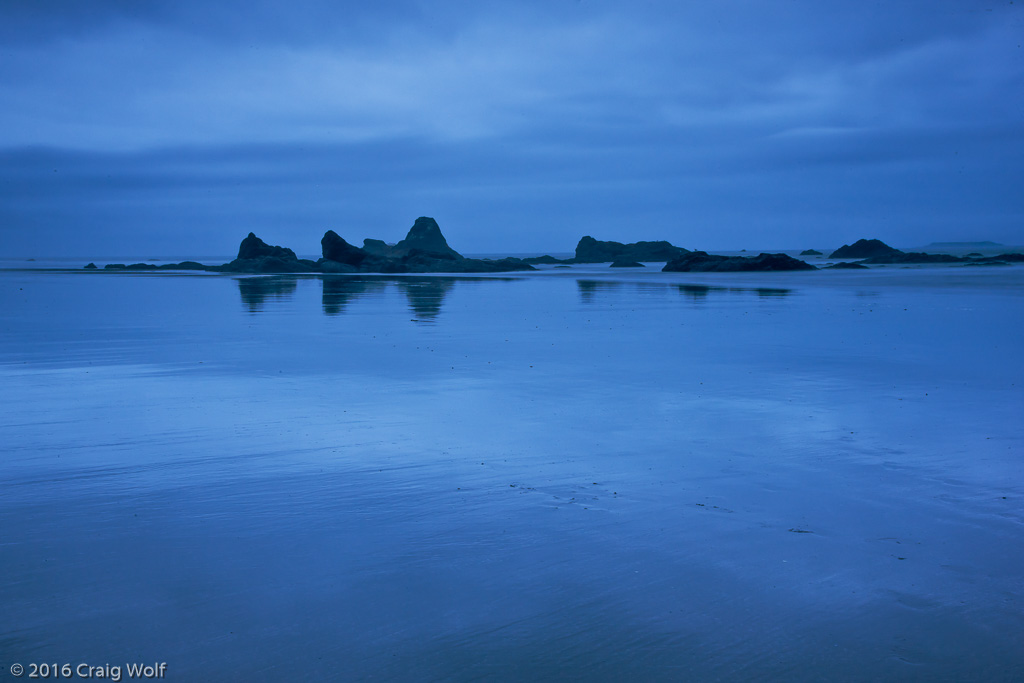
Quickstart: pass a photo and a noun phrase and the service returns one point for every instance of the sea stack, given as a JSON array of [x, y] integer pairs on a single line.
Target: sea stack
[[256, 256], [425, 237], [334, 248], [252, 247]]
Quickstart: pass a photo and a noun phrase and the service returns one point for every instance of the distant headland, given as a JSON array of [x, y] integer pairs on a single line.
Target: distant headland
[[425, 250]]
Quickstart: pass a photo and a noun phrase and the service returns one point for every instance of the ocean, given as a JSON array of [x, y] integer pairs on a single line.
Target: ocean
[[574, 474]]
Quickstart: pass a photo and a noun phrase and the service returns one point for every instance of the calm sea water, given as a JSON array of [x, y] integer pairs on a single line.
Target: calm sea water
[[570, 475]]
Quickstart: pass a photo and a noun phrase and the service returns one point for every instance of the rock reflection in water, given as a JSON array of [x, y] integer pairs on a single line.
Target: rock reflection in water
[[771, 292], [339, 291], [256, 290], [426, 295], [589, 289], [697, 292]]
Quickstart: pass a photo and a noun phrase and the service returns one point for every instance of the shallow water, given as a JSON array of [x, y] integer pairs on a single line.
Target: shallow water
[[567, 475]]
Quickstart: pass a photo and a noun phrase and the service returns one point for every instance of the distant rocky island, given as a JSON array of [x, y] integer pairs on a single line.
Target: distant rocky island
[[702, 262], [877, 252], [677, 259], [425, 250]]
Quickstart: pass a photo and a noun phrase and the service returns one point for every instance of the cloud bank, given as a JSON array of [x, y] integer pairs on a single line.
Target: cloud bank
[[179, 126]]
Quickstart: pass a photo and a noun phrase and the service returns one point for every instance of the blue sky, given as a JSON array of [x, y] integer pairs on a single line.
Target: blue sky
[[171, 128]]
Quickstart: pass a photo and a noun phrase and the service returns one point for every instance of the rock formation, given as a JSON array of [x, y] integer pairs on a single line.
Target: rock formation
[[590, 250], [864, 249], [256, 256], [848, 265], [377, 247], [914, 257], [424, 250], [425, 237], [810, 252], [546, 259], [876, 252], [702, 262], [334, 248], [252, 247]]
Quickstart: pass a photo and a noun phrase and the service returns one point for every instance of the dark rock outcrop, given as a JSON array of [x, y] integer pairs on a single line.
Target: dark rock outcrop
[[268, 265], [424, 250], [256, 256], [334, 267], [184, 265], [702, 262], [336, 249], [914, 257], [252, 247], [590, 250], [1001, 258], [626, 264], [847, 265], [425, 236], [810, 252], [377, 247], [879, 253], [545, 259], [864, 249], [423, 262]]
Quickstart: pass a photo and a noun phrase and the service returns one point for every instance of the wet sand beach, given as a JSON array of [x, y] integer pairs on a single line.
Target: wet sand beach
[[564, 475]]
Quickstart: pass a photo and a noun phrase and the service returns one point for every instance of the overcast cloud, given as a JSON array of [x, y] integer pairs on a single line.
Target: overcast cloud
[[177, 127]]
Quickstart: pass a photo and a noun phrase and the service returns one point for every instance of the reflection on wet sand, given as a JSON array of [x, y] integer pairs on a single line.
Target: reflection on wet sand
[[339, 291], [426, 295], [770, 292], [697, 291], [256, 290], [590, 288]]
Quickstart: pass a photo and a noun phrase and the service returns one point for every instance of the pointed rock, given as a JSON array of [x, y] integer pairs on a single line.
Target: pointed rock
[[425, 237], [337, 249], [253, 247]]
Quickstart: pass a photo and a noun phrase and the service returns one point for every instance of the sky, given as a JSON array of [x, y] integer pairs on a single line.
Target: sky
[[175, 128]]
